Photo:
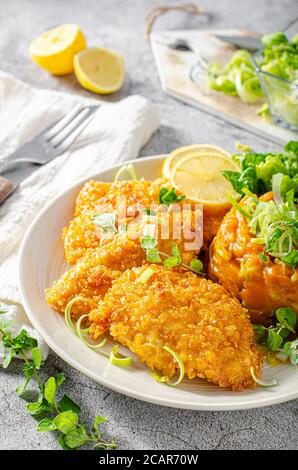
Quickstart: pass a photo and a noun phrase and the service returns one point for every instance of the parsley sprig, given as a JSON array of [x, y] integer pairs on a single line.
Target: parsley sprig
[[53, 414], [282, 337]]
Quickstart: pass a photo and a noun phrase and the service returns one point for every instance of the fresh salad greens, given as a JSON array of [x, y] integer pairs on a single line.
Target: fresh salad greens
[[279, 57], [52, 413], [257, 169], [274, 223], [275, 227], [281, 338]]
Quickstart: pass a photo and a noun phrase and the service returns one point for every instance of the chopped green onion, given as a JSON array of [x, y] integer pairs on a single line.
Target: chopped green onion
[[160, 378], [130, 169], [281, 356], [165, 379], [118, 360], [273, 382], [237, 206], [84, 340], [145, 276], [68, 308], [276, 187]]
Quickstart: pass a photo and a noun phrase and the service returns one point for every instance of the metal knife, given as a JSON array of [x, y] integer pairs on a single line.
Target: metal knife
[[243, 42]]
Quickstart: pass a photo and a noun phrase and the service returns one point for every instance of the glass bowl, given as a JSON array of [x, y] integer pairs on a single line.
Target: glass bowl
[[281, 94]]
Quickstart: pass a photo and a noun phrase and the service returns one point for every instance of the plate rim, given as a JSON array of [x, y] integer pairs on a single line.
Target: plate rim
[[174, 403]]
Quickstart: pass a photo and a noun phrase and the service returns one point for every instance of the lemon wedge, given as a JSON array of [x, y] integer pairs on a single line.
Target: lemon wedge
[[54, 50], [190, 150], [100, 70], [200, 179]]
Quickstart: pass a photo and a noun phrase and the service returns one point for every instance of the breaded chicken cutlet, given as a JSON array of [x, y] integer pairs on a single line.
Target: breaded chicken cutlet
[[97, 197], [93, 274], [81, 235], [196, 318]]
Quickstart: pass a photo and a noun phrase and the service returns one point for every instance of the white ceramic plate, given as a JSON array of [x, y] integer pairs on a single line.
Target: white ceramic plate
[[42, 261]]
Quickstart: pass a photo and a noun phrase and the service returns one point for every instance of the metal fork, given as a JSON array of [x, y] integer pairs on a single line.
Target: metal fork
[[47, 145]]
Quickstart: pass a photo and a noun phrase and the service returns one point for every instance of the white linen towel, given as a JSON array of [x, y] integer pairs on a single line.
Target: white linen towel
[[116, 134]]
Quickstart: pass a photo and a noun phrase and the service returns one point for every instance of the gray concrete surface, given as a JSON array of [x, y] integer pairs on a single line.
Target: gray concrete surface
[[118, 24]]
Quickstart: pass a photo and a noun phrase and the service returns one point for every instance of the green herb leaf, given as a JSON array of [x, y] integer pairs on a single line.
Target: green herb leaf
[[98, 420], [8, 359], [45, 425], [37, 357], [291, 259], [169, 196], [38, 407], [196, 265], [6, 325], [65, 421], [75, 438], [23, 341], [21, 388], [50, 390], [287, 318], [67, 404], [176, 252], [59, 379], [28, 369], [274, 340], [260, 329], [171, 262], [62, 443], [148, 242], [153, 256], [263, 257]]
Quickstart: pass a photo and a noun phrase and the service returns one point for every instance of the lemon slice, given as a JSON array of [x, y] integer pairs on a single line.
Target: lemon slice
[[100, 70], [190, 150], [54, 50], [200, 179]]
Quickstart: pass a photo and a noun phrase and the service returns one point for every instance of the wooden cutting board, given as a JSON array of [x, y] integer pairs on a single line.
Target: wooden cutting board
[[174, 68]]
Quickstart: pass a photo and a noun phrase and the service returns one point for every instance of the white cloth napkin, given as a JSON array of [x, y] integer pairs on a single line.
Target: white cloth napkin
[[116, 134]]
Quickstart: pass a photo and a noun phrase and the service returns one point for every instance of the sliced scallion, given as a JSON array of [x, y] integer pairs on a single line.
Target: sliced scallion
[[68, 308], [272, 383], [165, 379], [145, 276], [130, 169], [276, 187], [117, 360], [83, 339]]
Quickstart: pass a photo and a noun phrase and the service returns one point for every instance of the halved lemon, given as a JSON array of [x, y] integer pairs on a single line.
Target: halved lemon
[[100, 70], [190, 150], [200, 179], [54, 50]]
